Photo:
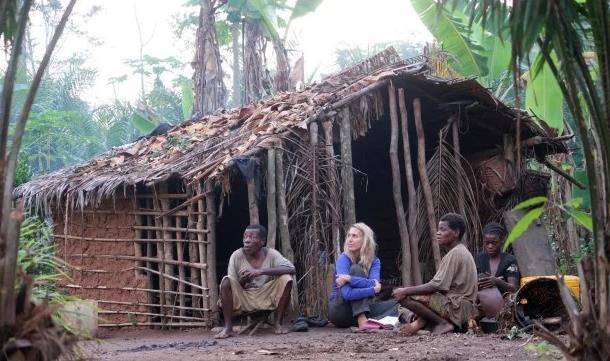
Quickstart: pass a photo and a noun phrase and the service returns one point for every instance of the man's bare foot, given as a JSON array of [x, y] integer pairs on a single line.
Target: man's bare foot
[[280, 329], [225, 333], [413, 327], [442, 328]]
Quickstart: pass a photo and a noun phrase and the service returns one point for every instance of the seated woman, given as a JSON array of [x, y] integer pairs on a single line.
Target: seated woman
[[448, 300], [356, 281], [496, 268]]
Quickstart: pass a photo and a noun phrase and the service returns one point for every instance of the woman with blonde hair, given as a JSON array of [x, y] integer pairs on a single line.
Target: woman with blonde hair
[[357, 281]]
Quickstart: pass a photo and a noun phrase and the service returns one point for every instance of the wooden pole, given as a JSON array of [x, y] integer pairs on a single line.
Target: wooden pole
[[405, 244], [271, 200], [210, 202], [412, 195], [314, 277], [457, 154], [168, 251], [203, 247], [282, 209], [423, 179], [347, 175], [193, 250], [181, 270], [252, 201], [163, 286], [140, 234], [333, 188]]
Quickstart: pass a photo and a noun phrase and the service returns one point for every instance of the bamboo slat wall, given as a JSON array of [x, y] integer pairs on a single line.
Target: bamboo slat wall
[[144, 259]]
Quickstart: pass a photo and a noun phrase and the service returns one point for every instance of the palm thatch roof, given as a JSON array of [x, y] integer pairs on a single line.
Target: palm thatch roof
[[207, 147]]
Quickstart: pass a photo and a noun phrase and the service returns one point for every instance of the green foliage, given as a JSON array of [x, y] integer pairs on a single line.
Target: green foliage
[[142, 122], [23, 173], [535, 201], [304, 7], [541, 349], [543, 97], [522, 225], [451, 29], [36, 258]]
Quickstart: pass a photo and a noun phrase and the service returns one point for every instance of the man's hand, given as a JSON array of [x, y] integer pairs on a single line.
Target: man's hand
[[377, 287], [248, 275], [487, 281], [341, 280], [399, 293]]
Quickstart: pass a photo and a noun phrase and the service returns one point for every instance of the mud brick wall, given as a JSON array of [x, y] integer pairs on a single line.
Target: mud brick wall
[[89, 244]]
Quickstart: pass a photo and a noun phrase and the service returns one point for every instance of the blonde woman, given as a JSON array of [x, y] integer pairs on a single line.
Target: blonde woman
[[357, 281]]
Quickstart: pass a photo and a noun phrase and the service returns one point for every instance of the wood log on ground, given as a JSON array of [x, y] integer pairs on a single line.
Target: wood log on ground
[[405, 244], [423, 179], [412, 195], [347, 174], [271, 200]]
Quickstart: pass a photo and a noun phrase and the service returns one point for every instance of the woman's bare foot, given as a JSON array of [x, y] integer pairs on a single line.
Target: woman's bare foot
[[362, 320], [411, 328], [225, 333], [442, 328], [279, 329]]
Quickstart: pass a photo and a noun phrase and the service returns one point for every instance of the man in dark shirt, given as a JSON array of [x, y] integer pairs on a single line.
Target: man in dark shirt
[[496, 268]]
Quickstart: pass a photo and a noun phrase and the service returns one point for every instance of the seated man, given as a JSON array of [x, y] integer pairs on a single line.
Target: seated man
[[448, 300], [498, 269], [259, 278]]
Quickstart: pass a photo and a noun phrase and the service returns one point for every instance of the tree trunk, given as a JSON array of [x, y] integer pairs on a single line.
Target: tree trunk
[[281, 81], [236, 49], [210, 91], [253, 63]]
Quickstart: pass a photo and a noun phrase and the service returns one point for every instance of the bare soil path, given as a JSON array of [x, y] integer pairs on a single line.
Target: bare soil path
[[318, 344]]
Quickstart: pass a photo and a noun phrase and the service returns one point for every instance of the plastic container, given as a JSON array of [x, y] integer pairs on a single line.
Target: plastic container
[[573, 283]]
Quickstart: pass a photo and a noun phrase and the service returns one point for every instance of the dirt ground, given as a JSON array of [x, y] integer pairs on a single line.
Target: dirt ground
[[318, 344]]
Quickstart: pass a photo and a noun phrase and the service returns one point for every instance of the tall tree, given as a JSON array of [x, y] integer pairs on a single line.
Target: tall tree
[[13, 29], [210, 90], [563, 31]]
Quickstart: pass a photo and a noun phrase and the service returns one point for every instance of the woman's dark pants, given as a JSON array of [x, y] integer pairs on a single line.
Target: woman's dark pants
[[344, 313]]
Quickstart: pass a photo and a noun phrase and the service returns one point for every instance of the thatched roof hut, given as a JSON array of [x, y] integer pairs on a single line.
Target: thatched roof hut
[[148, 227]]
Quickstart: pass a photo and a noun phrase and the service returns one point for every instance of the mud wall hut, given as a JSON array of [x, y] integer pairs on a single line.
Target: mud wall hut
[[147, 228]]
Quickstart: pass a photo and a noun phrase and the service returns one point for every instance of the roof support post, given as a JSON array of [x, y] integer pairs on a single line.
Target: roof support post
[[252, 201], [210, 208], [282, 209], [405, 244], [347, 174], [333, 188], [412, 195], [423, 178], [271, 200]]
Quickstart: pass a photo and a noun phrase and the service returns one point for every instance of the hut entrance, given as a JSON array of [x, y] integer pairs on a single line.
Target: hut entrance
[[373, 194]]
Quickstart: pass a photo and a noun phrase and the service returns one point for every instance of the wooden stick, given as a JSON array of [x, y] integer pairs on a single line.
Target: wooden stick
[[138, 304], [108, 312], [457, 156], [140, 211], [182, 205], [423, 179], [181, 270], [137, 289], [203, 248], [560, 171], [202, 266], [168, 246], [412, 195], [405, 243], [333, 188], [171, 229], [271, 200], [138, 253], [210, 202], [356, 95], [286, 247], [314, 278], [252, 201], [165, 324], [119, 240], [160, 255], [347, 175], [193, 249], [173, 279]]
